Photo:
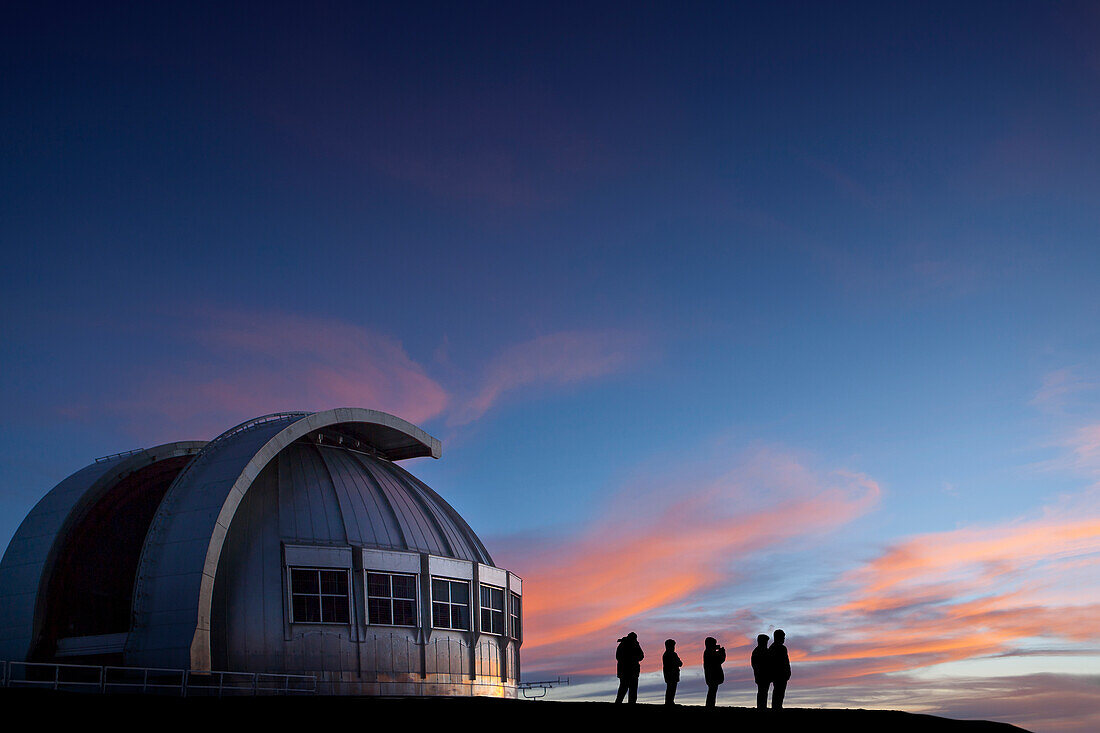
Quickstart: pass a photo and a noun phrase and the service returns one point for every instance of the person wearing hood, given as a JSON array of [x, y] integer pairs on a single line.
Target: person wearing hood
[[628, 658], [713, 656], [671, 664]]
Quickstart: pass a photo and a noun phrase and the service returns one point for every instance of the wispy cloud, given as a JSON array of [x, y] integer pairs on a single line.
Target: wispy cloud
[[1061, 390], [669, 544], [556, 359], [966, 593], [244, 364], [226, 365]]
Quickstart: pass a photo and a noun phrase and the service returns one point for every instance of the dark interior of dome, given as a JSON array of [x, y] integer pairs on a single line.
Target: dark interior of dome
[[91, 588]]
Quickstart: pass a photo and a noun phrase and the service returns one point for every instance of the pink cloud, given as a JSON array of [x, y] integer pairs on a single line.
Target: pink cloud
[[967, 593], [249, 364], [660, 547], [1058, 387], [233, 365], [556, 359]]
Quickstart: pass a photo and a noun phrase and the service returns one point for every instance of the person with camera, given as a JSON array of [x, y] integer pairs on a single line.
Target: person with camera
[[671, 664], [628, 667], [713, 656]]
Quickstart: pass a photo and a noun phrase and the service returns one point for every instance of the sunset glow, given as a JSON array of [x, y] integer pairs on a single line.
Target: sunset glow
[[730, 317]]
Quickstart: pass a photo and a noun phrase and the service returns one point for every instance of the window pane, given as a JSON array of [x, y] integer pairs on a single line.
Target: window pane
[[378, 585], [496, 599], [486, 621], [404, 613], [307, 609], [440, 590], [485, 596], [460, 592], [460, 617], [334, 609], [334, 582], [378, 611], [404, 586], [516, 617], [303, 581], [441, 615]]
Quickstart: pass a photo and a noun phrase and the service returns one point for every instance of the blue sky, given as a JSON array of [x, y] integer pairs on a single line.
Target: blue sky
[[741, 256]]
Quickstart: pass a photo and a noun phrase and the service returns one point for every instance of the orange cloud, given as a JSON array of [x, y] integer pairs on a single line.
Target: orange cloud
[[658, 548], [967, 593]]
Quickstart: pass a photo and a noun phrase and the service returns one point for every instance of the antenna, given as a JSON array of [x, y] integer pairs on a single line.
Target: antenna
[[541, 687]]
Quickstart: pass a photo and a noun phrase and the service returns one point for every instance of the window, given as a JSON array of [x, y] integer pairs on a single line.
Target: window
[[450, 604], [515, 614], [391, 599], [492, 610], [319, 596]]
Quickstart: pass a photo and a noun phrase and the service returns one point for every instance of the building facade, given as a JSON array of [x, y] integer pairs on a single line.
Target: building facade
[[292, 544]]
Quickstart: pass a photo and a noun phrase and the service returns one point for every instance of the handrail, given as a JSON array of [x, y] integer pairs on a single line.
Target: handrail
[[245, 426], [102, 459], [153, 679]]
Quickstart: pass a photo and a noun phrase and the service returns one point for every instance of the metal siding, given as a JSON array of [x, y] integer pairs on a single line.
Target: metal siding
[[357, 520], [477, 549], [170, 575], [460, 543], [418, 530], [231, 512], [306, 492]]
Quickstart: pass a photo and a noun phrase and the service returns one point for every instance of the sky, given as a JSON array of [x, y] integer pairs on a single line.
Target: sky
[[730, 317]]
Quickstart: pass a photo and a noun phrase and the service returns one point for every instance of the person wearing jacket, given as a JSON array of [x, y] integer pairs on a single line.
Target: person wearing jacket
[[713, 656], [671, 663], [628, 658], [780, 668], [761, 670]]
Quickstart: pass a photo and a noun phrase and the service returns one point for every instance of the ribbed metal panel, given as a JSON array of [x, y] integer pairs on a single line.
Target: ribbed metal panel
[[378, 505], [170, 575]]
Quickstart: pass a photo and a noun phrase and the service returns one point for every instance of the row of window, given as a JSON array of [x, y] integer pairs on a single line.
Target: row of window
[[322, 596]]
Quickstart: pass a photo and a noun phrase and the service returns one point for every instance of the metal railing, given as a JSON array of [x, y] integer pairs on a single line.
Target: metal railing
[[134, 451], [252, 424], [152, 680]]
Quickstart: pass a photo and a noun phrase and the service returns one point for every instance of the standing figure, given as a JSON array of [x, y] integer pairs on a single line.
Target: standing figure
[[628, 658], [780, 668], [713, 656], [761, 670], [671, 663]]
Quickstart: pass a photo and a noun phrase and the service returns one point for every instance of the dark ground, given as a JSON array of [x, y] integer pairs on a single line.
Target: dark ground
[[277, 713]]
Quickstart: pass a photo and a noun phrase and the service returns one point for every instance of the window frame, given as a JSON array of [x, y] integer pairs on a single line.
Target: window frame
[[450, 604], [367, 572], [319, 595], [482, 609], [515, 615]]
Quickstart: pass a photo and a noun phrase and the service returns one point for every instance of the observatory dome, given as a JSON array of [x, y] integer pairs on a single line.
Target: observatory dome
[[290, 544]]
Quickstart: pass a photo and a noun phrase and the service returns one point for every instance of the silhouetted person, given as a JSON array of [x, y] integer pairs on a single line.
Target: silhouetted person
[[628, 658], [671, 663], [761, 670], [713, 656], [780, 668]]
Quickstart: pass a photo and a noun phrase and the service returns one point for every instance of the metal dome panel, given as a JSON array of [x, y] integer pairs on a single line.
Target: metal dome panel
[[175, 581]]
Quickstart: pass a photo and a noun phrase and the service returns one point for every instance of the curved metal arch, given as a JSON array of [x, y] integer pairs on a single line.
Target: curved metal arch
[[196, 549], [29, 561]]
